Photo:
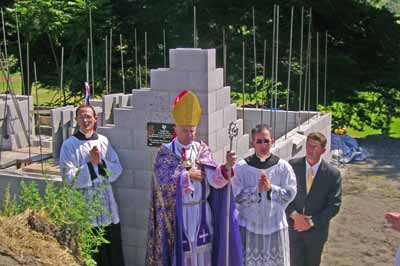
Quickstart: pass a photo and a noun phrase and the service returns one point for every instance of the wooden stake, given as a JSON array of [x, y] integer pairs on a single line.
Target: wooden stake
[[289, 70], [165, 49], [62, 76], [110, 71], [326, 65], [23, 91], [255, 58], [122, 64], [301, 56], [243, 79], [91, 49], [106, 57], [145, 59]]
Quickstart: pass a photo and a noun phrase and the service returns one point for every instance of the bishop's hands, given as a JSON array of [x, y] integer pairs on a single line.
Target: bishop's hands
[[227, 168], [302, 222], [230, 159], [264, 183], [95, 157], [394, 219], [195, 174]]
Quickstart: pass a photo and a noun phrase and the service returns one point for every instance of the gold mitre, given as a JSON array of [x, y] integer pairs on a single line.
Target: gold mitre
[[186, 109]]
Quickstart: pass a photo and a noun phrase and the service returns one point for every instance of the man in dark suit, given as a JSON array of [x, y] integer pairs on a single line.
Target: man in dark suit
[[317, 201]]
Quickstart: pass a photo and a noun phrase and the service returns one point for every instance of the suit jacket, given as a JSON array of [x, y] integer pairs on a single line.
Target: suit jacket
[[324, 199]]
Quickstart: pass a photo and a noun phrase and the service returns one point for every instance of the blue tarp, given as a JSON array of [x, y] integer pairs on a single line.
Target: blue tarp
[[346, 149]]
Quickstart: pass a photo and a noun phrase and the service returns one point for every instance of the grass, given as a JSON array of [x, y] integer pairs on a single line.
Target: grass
[[44, 96], [394, 130]]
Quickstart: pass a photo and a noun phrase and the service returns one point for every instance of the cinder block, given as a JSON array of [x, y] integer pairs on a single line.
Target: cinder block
[[154, 101], [224, 97], [140, 256], [142, 179], [125, 100], [243, 145], [141, 218], [109, 102], [127, 217], [215, 79], [252, 114], [161, 117], [239, 123], [229, 114], [174, 81], [121, 138], [212, 141], [55, 115], [167, 80], [140, 120], [133, 236], [140, 139], [124, 117], [67, 116], [129, 254], [132, 159], [130, 197], [222, 138], [192, 59], [125, 180], [215, 121]]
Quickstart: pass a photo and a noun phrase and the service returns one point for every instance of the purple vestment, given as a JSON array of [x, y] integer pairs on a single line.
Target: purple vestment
[[165, 234]]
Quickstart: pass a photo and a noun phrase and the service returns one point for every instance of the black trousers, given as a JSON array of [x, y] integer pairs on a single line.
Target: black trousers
[[111, 254], [306, 247]]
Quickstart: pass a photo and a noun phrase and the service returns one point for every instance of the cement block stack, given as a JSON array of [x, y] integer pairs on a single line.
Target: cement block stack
[[12, 124]]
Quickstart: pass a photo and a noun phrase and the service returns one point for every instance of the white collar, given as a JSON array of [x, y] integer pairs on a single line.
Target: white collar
[[180, 145], [263, 160], [315, 167], [87, 135]]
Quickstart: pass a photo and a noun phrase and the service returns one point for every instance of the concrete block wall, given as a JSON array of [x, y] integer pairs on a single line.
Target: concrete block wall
[[192, 69], [111, 101], [253, 116], [294, 145], [300, 124], [57, 125], [17, 138]]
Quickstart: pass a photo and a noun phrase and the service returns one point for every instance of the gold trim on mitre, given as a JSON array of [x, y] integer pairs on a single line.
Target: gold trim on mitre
[[186, 109]]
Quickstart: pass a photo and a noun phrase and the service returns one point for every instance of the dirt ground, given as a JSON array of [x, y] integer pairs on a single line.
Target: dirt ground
[[20, 245], [359, 235]]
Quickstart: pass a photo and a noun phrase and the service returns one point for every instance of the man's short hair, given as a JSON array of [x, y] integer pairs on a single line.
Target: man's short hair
[[84, 106], [260, 128], [318, 136]]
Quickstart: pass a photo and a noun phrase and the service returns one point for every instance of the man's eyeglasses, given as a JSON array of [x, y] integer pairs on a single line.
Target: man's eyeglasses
[[88, 117], [263, 141]]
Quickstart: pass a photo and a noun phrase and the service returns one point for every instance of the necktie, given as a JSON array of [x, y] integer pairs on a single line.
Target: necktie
[[310, 179]]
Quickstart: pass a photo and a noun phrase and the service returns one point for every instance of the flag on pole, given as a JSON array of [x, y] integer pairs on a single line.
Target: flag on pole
[[87, 93]]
